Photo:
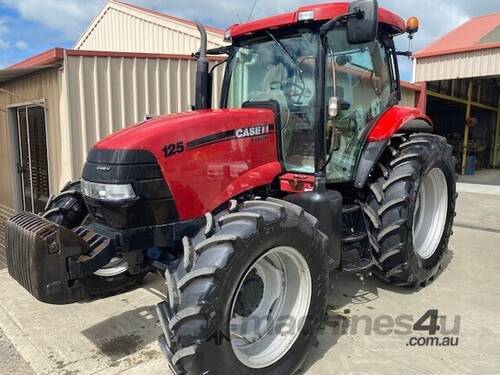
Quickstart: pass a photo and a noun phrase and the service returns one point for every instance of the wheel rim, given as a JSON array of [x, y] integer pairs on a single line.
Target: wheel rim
[[267, 315], [429, 216]]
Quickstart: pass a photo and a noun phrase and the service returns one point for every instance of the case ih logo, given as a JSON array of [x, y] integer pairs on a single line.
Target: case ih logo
[[257, 131], [254, 131]]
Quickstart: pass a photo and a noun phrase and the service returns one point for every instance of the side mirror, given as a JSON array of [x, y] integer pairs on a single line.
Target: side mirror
[[333, 107], [363, 26]]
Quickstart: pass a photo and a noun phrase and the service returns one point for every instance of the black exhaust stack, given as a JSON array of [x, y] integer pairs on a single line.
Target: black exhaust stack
[[203, 78]]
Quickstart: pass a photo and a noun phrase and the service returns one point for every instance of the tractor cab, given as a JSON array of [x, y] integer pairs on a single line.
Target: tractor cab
[[328, 81]]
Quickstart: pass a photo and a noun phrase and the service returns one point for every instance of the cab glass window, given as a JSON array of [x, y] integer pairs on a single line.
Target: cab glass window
[[281, 67], [361, 76]]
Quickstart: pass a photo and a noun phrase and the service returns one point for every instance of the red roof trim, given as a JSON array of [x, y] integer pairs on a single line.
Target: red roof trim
[[454, 51], [56, 55], [322, 12], [46, 58], [87, 53], [173, 18]]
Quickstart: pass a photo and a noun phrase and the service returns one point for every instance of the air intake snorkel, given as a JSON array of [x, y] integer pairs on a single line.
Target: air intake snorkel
[[203, 77]]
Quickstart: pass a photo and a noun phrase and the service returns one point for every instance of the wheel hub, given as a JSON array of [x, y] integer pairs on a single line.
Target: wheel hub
[[250, 295], [270, 307]]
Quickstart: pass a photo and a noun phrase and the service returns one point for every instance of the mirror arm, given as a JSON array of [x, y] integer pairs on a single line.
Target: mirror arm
[[327, 26], [214, 51], [404, 53]]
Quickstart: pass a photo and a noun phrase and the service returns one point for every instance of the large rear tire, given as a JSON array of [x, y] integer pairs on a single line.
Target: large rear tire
[[411, 208], [260, 263], [69, 210]]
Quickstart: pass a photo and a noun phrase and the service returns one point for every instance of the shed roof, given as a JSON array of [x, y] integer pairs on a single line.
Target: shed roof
[[45, 58], [120, 26], [54, 57], [478, 33], [169, 17], [51, 58]]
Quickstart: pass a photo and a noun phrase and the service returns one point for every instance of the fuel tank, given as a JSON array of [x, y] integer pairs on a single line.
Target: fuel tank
[[206, 157]]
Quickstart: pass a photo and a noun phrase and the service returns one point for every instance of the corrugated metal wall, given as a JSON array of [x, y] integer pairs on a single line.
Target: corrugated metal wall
[[460, 65], [38, 86], [408, 97], [123, 32], [105, 94]]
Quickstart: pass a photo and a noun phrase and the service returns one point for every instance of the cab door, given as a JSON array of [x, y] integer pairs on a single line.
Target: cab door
[[359, 75]]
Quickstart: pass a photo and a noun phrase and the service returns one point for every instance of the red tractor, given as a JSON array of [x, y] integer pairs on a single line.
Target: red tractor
[[310, 166]]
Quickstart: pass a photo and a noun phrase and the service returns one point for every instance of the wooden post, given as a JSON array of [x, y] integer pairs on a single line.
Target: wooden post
[[497, 137], [466, 130]]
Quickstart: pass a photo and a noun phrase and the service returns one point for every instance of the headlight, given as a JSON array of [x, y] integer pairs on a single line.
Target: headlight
[[107, 192]]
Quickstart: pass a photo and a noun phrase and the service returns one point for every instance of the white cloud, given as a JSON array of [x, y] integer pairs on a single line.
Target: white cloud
[[69, 17], [21, 45]]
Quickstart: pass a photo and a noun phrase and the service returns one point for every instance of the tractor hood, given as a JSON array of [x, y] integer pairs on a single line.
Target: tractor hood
[[186, 127], [206, 157]]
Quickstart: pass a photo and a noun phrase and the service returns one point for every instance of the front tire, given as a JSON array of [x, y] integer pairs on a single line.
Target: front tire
[[411, 208], [225, 279]]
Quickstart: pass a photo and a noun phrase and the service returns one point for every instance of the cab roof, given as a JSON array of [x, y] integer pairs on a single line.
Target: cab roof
[[391, 22]]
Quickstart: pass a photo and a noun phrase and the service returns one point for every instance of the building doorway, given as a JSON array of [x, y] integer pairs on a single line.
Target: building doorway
[[467, 113], [32, 162]]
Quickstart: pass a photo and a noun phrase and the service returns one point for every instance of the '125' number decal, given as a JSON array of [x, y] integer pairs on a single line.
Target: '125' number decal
[[173, 148]]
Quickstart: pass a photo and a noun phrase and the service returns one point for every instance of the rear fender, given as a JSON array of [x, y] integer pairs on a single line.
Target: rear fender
[[399, 118], [395, 119]]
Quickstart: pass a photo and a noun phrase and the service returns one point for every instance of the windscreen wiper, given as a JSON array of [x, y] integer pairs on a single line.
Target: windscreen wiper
[[283, 48]]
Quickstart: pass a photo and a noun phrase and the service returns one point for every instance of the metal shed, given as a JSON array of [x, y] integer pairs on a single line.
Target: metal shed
[[462, 75]]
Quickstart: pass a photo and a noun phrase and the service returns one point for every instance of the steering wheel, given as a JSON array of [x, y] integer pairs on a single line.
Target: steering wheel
[[295, 92]]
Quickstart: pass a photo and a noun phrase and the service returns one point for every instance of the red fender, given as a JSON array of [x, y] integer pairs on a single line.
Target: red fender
[[394, 119]]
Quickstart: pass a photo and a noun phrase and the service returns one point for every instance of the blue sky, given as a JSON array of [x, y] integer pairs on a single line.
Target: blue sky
[[28, 27], [25, 38]]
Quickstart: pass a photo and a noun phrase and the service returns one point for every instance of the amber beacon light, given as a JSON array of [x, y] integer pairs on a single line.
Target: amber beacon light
[[412, 25]]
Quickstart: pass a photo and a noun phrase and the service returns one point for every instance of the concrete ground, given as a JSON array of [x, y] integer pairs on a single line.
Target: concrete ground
[[483, 177], [118, 334]]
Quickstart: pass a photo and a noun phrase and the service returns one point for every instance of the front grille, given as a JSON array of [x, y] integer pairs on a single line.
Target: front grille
[[154, 205]]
